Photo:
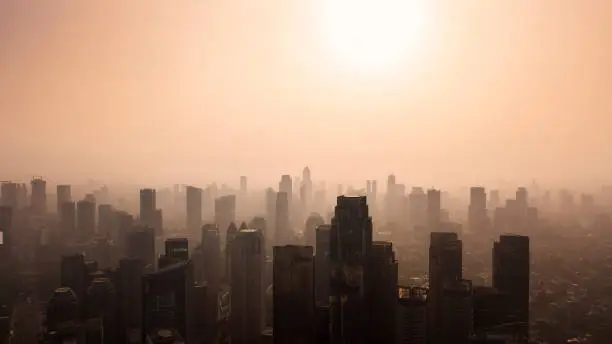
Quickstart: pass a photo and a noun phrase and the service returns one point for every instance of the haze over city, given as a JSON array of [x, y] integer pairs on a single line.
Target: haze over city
[[156, 91]]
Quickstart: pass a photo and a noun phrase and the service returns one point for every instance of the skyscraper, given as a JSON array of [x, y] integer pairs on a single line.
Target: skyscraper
[[194, 209], [107, 222], [283, 231], [306, 191], [64, 194], [211, 271], [412, 315], [322, 265], [86, 219], [433, 210], [286, 186], [310, 232], [148, 199], [225, 212], [10, 195], [445, 268], [270, 215], [477, 210], [511, 272], [243, 185], [294, 299], [247, 287], [38, 200], [417, 207], [68, 219], [141, 245], [381, 294], [350, 246]]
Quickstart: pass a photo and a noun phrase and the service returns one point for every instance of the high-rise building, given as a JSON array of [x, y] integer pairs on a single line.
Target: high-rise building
[[230, 235], [68, 220], [286, 186], [129, 296], [494, 199], [10, 195], [310, 232], [211, 257], [511, 272], [455, 324], [306, 191], [177, 249], [225, 212], [522, 198], [412, 316], [148, 207], [74, 276], [247, 287], [350, 246], [434, 209], [477, 210], [322, 265], [38, 200], [194, 209], [86, 219], [64, 195], [381, 294], [294, 295], [417, 208], [107, 221], [270, 215], [141, 245], [283, 231], [445, 268], [243, 185]]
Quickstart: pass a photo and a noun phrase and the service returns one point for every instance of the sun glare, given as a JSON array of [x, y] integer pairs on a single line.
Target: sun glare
[[372, 35]]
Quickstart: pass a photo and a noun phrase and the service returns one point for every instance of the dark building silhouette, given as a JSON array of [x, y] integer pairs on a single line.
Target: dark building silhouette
[[208, 268], [129, 296], [74, 275], [148, 208], [511, 273], [38, 200], [64, 195], [194, 209], [85, 219], [177, 248], [491, 309], [231, 233], [477, 210], [247, 287], [283, 227], [62, 308], [381, 293], [225, 213], [417, 207], [270, 217], [294, 303], [168, 301], [9, 195], [433, 210], [102, 305], [456, 320], [141, 245], [350, 246], [322, 265], [445, 269], [106, 220], [310, 231], [412, 316]]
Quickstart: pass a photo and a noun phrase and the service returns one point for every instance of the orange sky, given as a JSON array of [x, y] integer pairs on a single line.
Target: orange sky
[[163, 91]]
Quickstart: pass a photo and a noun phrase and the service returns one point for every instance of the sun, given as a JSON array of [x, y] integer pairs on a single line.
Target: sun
[[372, 35]]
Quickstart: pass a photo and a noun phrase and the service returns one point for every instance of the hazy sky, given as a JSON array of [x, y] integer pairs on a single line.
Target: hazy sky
[[194, 90]]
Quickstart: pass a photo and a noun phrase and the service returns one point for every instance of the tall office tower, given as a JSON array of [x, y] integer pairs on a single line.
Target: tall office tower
[[74, 276], [86, 219], [225, 212], [283, 230], [417, 207], [456, 322], [445, 268], [38, 200], [68, 220], [141, 245], [434, 209], [381, 294], [168, 303], [511, 276], [310, 231], [350, 246], [522, 198], [101, 304], [286, 186], [194, 209], [294, 300], [490, 308], [247, 287], [177, 248], [391, 201], [158, 222], [107, 221], [270, 214], [129, 296], [211, 257], [494, 199], [230, 236], [9, 195], [125, 223], [22, 195], [306, 190], [373, 192], [412, 316], [258, 223], [477, 210], [64, 194], [148, 207], [243, 185], [322, 266], [368, 187]]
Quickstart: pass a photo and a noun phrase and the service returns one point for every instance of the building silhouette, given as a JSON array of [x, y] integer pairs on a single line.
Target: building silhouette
[[294, 295], [283, 231], [38, 199], [194, 209], [64, 195], [434, 210], [85, 219], [412, 315]]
